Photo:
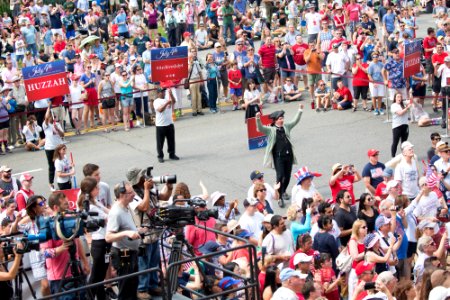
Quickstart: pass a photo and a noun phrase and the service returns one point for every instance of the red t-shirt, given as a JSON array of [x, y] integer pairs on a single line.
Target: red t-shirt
[[381, 191], [20, 198], [339, 21], [361, 78], [439, 57], [344, 183], [336, 41], [323, 276], [267, 54], [428, 43], [198, 237], [235, 76], [59, 46], [353, 11], [345, 92], [299, 50]]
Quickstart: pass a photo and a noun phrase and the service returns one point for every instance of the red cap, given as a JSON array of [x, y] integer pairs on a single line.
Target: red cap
[[167, 84], [186, 33], [363, 266], [25, 177], [372, 152], [92, 56]]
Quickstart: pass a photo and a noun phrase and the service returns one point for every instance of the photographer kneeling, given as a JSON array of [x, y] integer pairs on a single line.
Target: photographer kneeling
[[144, 201], [122, 232], [57, 254]]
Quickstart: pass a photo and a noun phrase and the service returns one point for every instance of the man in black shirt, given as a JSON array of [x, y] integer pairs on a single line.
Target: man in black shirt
[[345, 216]]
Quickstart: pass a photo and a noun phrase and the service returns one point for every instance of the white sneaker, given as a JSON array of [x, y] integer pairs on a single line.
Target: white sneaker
[[11, 147], [138, 123]]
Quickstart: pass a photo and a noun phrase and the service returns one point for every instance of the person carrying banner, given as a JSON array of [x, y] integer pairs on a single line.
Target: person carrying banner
[[280, 151]]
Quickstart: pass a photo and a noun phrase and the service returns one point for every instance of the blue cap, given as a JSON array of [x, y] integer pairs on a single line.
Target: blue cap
[[244, 234], [228, 282], [209, 247], [287, 273]]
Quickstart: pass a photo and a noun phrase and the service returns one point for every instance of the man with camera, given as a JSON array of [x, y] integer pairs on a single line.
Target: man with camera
[[56, 254], [144, 201], [122, 232]]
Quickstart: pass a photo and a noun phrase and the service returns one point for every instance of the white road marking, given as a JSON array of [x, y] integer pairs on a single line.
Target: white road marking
[[30, 171]]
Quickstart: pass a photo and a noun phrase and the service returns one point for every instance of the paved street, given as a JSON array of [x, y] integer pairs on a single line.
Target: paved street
[[213, 148]]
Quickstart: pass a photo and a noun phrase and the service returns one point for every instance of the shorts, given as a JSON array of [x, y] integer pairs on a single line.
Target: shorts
[[429, 66], [153, 26], [300, 68], [4, 125], [402, 91], [237, 92], [360, 92], [285, 74], [346, 104], [224, 77], [125, 34], [70, 33], [312, 37], [436, 85], [268, 74], [412, 248], [109, 103], [314, 79], [377, 90], [202, 13], [419, 90], [59, 31], [111, 2], [126, 101]]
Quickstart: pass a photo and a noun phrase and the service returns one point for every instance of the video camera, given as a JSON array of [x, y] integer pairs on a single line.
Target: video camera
[[69, 224], [178, 216], [160, 179], [9, 243]]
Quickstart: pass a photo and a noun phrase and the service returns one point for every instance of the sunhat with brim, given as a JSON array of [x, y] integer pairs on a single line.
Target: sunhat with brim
[[216, 196]]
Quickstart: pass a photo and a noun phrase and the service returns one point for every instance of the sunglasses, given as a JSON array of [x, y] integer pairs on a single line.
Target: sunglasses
[[41, 204], [321, 84]]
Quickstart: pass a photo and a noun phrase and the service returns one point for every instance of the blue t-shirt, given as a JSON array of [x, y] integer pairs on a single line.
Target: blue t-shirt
[[375, 172], [389, 21], [122, 48], [219, 59], [367, 51], [375, 71], [85, 79], [121, 18], [48, 38], [30, 34]]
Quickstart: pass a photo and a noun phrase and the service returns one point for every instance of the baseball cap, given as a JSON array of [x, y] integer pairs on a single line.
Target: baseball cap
[[209, 247], [268, 218], [381, 221], [439, 293], [302, 258], [25, 177], [372, 152], [406, 145], [228, 282], [391, 184], [186, 34], [250, 202], [256, 175], [244, 234], [216, 45], [363, 266], [388, 172], [288, 273], [5, 168]]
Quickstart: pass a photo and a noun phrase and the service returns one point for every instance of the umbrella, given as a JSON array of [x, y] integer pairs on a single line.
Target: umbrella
[[88, 40]]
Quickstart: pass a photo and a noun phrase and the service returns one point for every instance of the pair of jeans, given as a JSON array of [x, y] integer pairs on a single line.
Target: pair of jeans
[[33, 49], [212, 93], [138, 102], [229, 27], [150, 260], [55, 287]]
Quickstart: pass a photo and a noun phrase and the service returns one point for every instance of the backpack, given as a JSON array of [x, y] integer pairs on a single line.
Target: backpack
[[209, 13], [344, 260]]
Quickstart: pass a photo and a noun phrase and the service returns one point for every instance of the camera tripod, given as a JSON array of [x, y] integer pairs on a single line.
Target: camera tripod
[[175, 256], [78, 278], [18, 281]]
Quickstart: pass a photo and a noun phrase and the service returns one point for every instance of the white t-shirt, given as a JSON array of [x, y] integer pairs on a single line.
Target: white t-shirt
[[250, 95], [427, 206], [279, 244], [52, 138], [101, 232], [441, 165], [201, 35], [140, 82], [283, 293], [398, 120], [302, 194], [445, 73], [337, 62], [63, 166], [409, 176], [163, 118], [75, 95], [252, 223], [385, 245], [29, 135], [313, 22], [270, 193]]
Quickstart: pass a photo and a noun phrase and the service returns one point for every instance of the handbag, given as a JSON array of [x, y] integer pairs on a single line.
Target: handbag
[[344, 260], [20, 108], [259, 76], [186, 83]]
